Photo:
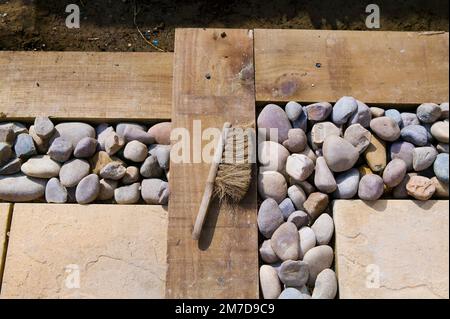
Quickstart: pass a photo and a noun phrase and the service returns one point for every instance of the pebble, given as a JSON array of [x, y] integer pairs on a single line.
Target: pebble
[[363, 115], [7, 134], [294, 273], [266, 252], [24, 146], [320, 131], [74, 131], [375, 154], [299, 167], [150, 168], [399, 191], [404, 151], [315, 204], [135, 151], [272, 156], [21, 188], [441, 188], [347, 184], [323, 228], [11, 167], [292, 293], [409, 119], [318, 258], [420, 187], [371, 187], [285, 241], [129, 194], [395, 115], [155, 191], [269, 217], [358, 136], [86, 147], [136, 134], [107, 187], [325, 286], [428, 112], [88, 189], [415, 134], [55, 192], [131, 175], [102, 133], [113, 170], [339, 154], [73, 171], [43, 127], [41, 166], [307, 239], [5, 152], [121, 127], [343, 109], [17, 128], [318, 112], [272, 184], [423, 157], [385, 128], [440, 131], [323, 177], [394, 172], [99, 160], [299, 218], [442, 148], [161, 132], [113, 143], [297, 196], [162, 153], [273, 117], [60, 149], [301, 122], [287, 208], [270, 284], [41, 144], [440, 167], [296, 141], [293, 110], [444, 110], [376, 112]]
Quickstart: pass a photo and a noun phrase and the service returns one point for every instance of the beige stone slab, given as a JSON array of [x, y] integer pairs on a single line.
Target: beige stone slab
[[108, 251], [4, 217], [392, 248]]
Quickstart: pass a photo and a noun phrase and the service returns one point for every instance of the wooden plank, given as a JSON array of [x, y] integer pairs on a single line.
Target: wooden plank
[[5, 215], [86, 251], [213, 83], [78, 85], [376, 67]]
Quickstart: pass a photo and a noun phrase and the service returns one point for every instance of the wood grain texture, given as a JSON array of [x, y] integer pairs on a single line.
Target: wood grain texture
[[214, 83], [5, 215], [376, 67], [77, 85]]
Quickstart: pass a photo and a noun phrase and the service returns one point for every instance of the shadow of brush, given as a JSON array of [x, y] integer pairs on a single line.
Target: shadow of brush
[[210, 224]]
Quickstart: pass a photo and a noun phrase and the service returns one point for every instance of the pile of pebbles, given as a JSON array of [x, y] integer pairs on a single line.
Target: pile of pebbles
[[74, 162], [323, 152]]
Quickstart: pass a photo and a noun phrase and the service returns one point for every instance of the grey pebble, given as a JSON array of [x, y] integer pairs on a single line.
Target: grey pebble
[[60, 149], [293, 110], [87, 189], [269, 217], [294, 273], [423, 157], [113, 170], [347, 184], [24, 146], [55, 192], [428, 112], [129, 194], [150, 168], [86, 147], [287, 208], [371, 187], [43, 127], [343, 109], [415, 134], [155, 191], [73, 171]]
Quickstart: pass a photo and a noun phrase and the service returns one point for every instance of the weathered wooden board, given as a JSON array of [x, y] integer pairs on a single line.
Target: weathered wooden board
[[80, 85], [86, 251], [376, 67], [213, 83], [5, 211]]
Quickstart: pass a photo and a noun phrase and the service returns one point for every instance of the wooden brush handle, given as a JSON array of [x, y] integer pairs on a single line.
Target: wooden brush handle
[[209, 188]]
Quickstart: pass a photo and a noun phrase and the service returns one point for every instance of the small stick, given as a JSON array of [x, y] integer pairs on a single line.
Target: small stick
[[207, 194]]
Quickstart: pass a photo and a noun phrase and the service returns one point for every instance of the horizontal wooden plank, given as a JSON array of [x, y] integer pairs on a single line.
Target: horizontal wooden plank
[[376, 67], [77, 85]]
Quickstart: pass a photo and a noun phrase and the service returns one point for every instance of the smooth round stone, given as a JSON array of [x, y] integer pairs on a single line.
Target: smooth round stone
[[137, 134], [11, 167], [24, 146], [272, 156], [444, 110], [5, 152], [296, 141], [409, 119], [162, 153], [293, 110], [131, 175], [400, 191], [41, 166], [299, 218], [74, 131], [121, 127], [423, 157], [135, 151], [385, 128], [358, 136], [43, 127], [155, 191], [428, 112], [415, 134], [420, 187], [294, 273], [376, 155], [73, 171], [113, 170], [316, 204], [60, 149], [347, 184], [323, 177], [404, 151], [320, 131], [318, 112], [318, 258], [87, 189], [41, 144], [269, 217], [266, 252], [103, 131], [55, 192], [395, 115], [285, 242], [363, 115], [394, 172], [287, 208], [376, 112], [113, 143], [325, 286], [371, 187], [441, 188], [273, 118], [270, 284], [442, 148], [297, 196], [129, 194], [272, 185], [307, 239], [339, 154], [440, 131], [107, 187], [343, 109], [86, 147], [440, 167], [150, 168], [301, 122], [161, 132], [299, 167], [292, 293], [21, 188], [323, 228]]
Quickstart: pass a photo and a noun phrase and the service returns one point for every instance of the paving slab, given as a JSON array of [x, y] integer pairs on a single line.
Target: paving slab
[[392, 248], [92, 251], [4, 217]]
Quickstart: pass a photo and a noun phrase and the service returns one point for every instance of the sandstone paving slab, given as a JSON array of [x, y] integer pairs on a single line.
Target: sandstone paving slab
[[392, 248], [92, 251], [4, 217]]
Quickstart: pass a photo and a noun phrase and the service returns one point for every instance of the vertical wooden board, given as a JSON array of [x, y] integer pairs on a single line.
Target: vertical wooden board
[[213, 83], [5, 212], [376, 67]]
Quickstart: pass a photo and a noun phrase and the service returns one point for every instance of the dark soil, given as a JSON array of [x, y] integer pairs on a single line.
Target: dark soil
[[108, 25]]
